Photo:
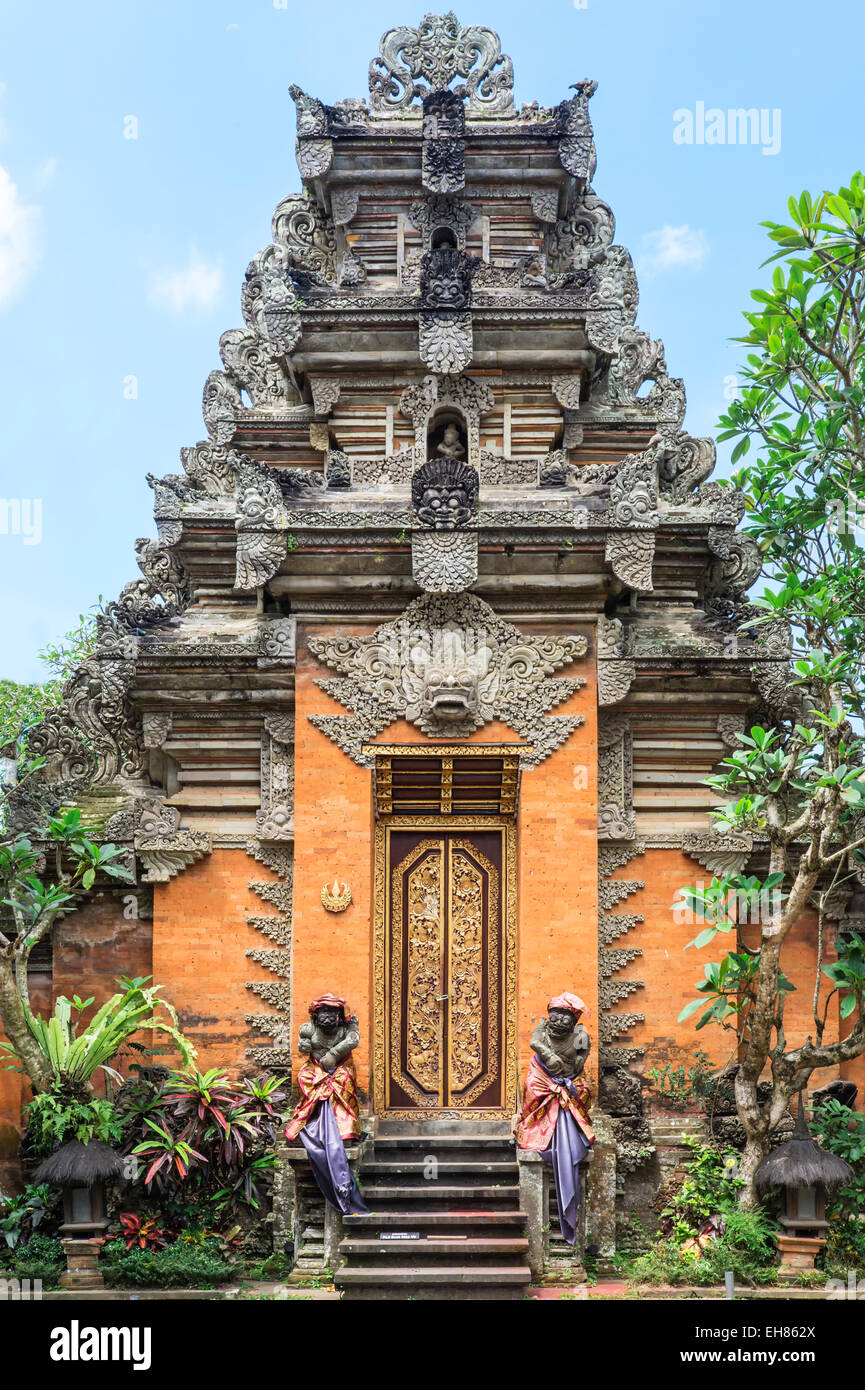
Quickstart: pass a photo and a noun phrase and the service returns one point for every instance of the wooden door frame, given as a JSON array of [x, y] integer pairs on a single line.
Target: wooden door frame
[[380, 956]]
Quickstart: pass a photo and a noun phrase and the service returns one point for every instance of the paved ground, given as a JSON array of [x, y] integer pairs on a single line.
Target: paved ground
[[273, 1292]]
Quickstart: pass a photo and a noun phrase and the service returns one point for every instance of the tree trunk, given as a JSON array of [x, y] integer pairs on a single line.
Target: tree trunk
[[755, 1150], [15, 1026]]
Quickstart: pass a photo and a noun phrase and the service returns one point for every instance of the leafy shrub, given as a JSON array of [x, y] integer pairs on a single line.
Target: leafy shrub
[[710, 1188], [746, 1247], [41, 1257], [745, 1244], [842, 1131], [55, 1116], [23, 1213], [190, 1265]]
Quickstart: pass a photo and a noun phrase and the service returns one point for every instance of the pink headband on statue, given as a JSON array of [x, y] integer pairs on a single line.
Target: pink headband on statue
[[572, 1003]]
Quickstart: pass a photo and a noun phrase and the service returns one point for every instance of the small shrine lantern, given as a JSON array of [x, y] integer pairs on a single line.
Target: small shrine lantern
[[806, 1173], [81, 1171]]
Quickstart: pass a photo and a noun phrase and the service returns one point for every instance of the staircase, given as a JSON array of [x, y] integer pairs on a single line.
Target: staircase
[[445, 1219]]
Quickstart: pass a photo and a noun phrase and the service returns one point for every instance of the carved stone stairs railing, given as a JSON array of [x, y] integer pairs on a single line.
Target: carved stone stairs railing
[[445, 1216]]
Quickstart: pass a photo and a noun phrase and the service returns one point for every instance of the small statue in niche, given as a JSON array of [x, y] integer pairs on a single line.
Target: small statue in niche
[[327, 1114], [451, 446], [555, 1116]]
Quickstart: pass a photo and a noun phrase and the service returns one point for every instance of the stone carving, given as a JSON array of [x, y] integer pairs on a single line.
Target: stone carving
[[260, 525], [269, 298], [414, 62], [352, 271], [442, 211], [639, 359], [580, 240], [300, 226], [616, 817], [472, 398], [443, 157], [155, 728], [615, 679], [444, 562], [252, 366], [325, 393], [314, 157], [212, 468], [566, 390], [277, 642], [612, 640], [634, 492], [445, 493], [277, 928], [394, 470], [94, 733], [560, 1041], [545, 204], [162, 845], [275, 820], [683, 463], [445, 341], [729, 725], [727, 504], [343, 205], [737, 571], [720, 854], [576, 145], [446, 280], [338, 469], [163, 572], [555, 469], [449, 665], [221, 406], [497, 471], [631, 554]]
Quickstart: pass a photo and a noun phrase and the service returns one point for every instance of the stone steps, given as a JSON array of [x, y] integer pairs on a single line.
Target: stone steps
[[437, 1245], [418, 1282], [436, 1192], [430, 1182]]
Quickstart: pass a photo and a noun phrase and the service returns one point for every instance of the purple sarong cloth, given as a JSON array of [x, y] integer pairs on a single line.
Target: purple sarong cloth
[[566, 1153], [322, 1140]]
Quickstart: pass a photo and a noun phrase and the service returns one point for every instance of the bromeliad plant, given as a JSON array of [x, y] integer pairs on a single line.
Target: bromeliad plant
[[75, 1050]]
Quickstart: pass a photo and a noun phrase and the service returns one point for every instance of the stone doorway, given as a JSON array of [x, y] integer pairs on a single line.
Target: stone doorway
[[445, 961]]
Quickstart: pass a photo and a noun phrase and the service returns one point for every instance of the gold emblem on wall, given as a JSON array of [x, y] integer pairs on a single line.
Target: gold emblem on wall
[[336, 896]]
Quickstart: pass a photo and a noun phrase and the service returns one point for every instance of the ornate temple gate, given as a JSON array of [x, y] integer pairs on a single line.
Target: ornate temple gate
[[445, 958]]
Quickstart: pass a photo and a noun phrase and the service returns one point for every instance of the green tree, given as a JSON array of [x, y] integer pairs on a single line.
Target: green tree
[[22, 705], [34, 895], [799, 783]]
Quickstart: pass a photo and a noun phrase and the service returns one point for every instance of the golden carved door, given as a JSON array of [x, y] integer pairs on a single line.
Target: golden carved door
[[449, 969]]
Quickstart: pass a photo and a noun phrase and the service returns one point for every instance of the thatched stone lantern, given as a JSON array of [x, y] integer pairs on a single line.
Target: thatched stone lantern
[[81, 1171], [806, 1173]]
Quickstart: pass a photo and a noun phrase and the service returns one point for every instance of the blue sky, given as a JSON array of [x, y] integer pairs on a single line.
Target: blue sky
[[124, 258]]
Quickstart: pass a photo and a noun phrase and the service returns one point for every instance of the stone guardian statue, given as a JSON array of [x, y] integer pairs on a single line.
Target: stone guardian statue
[[555, 1116], [327, 1115]]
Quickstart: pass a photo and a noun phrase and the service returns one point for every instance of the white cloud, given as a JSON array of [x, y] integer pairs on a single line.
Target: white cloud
[[19, 239], [197, 285], [672, 248]]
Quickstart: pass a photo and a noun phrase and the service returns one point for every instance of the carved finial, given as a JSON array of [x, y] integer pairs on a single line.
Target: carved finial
[[414, 62]]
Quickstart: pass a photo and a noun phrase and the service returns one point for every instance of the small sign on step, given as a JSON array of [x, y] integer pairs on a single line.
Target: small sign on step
[[399, 1235]]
